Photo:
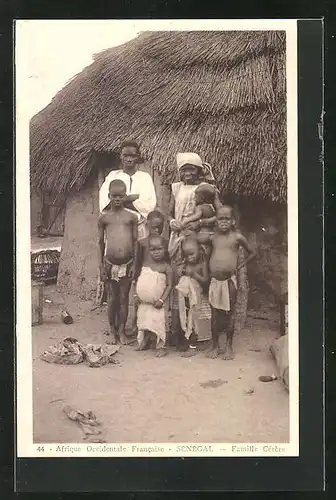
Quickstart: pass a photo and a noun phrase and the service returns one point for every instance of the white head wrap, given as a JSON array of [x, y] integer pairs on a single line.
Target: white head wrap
[[188, 159]]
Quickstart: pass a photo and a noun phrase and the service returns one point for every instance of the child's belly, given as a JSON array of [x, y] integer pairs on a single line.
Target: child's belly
[[119, 249], [223, 263]]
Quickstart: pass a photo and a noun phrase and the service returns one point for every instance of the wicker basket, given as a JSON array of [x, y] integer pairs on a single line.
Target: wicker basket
[[44, 266]]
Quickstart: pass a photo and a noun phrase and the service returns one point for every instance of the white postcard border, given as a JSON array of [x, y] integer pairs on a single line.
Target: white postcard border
[[24, 385]]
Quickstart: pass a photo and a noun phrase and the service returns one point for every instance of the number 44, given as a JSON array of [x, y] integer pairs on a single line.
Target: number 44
[[40, 448]]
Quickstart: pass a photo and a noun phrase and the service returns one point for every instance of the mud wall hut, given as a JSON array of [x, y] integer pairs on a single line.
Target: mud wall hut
[[221, 94]]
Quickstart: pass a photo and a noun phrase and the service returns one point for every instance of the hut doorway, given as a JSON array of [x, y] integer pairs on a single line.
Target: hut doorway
[[53, 214], [105, 163], [265, 225]]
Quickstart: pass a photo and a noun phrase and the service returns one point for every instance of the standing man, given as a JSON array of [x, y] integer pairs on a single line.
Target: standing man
[[141, 197]]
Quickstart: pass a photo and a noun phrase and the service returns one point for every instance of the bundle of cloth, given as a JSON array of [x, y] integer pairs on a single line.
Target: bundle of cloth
[[197, 316], [71, 352]]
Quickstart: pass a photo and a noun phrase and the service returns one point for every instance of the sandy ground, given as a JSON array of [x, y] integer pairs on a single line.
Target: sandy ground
[[147, 399]]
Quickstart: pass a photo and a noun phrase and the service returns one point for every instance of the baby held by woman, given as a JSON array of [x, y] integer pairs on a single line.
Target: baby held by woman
[[202, 222]]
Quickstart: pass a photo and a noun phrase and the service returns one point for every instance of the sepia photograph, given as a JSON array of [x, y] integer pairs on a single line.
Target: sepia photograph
[[156, 238]]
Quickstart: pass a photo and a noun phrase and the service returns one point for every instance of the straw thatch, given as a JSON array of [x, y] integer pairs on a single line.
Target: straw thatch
[[221, 94]]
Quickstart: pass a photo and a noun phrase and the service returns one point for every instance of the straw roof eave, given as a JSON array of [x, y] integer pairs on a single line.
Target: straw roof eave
[[223, 97]]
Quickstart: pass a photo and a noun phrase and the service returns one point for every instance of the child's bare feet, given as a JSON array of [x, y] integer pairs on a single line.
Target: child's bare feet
[[142, 339], [213, 353], [161, 352], [134, 331], [181, 348], [140, 348], [181, 343], [228, 353], [111, 337], [124, 340], [192, 351], [204, 345]]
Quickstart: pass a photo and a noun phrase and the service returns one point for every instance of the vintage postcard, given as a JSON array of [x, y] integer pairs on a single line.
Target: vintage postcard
[[157, 238]]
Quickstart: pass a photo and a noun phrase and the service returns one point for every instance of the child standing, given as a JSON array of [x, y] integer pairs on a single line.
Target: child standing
[[223, 286], [155, 223], [153, 286], [194, 308], [118, 234]]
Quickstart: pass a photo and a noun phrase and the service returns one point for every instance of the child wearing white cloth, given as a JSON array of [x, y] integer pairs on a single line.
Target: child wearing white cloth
[[153, 287], [223, 286]]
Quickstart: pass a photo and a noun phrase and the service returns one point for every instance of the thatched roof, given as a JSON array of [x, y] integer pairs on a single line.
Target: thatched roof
[[220, 94]]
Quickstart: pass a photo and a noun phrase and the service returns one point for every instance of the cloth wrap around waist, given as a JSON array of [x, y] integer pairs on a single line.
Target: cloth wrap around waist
[[219, 293], [116, 271]]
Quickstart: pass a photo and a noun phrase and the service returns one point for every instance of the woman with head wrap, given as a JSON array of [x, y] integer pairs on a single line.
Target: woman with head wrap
[[182, 205]]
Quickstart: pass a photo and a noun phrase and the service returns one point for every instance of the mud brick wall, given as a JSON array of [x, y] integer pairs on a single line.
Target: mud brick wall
[[78, 269]]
